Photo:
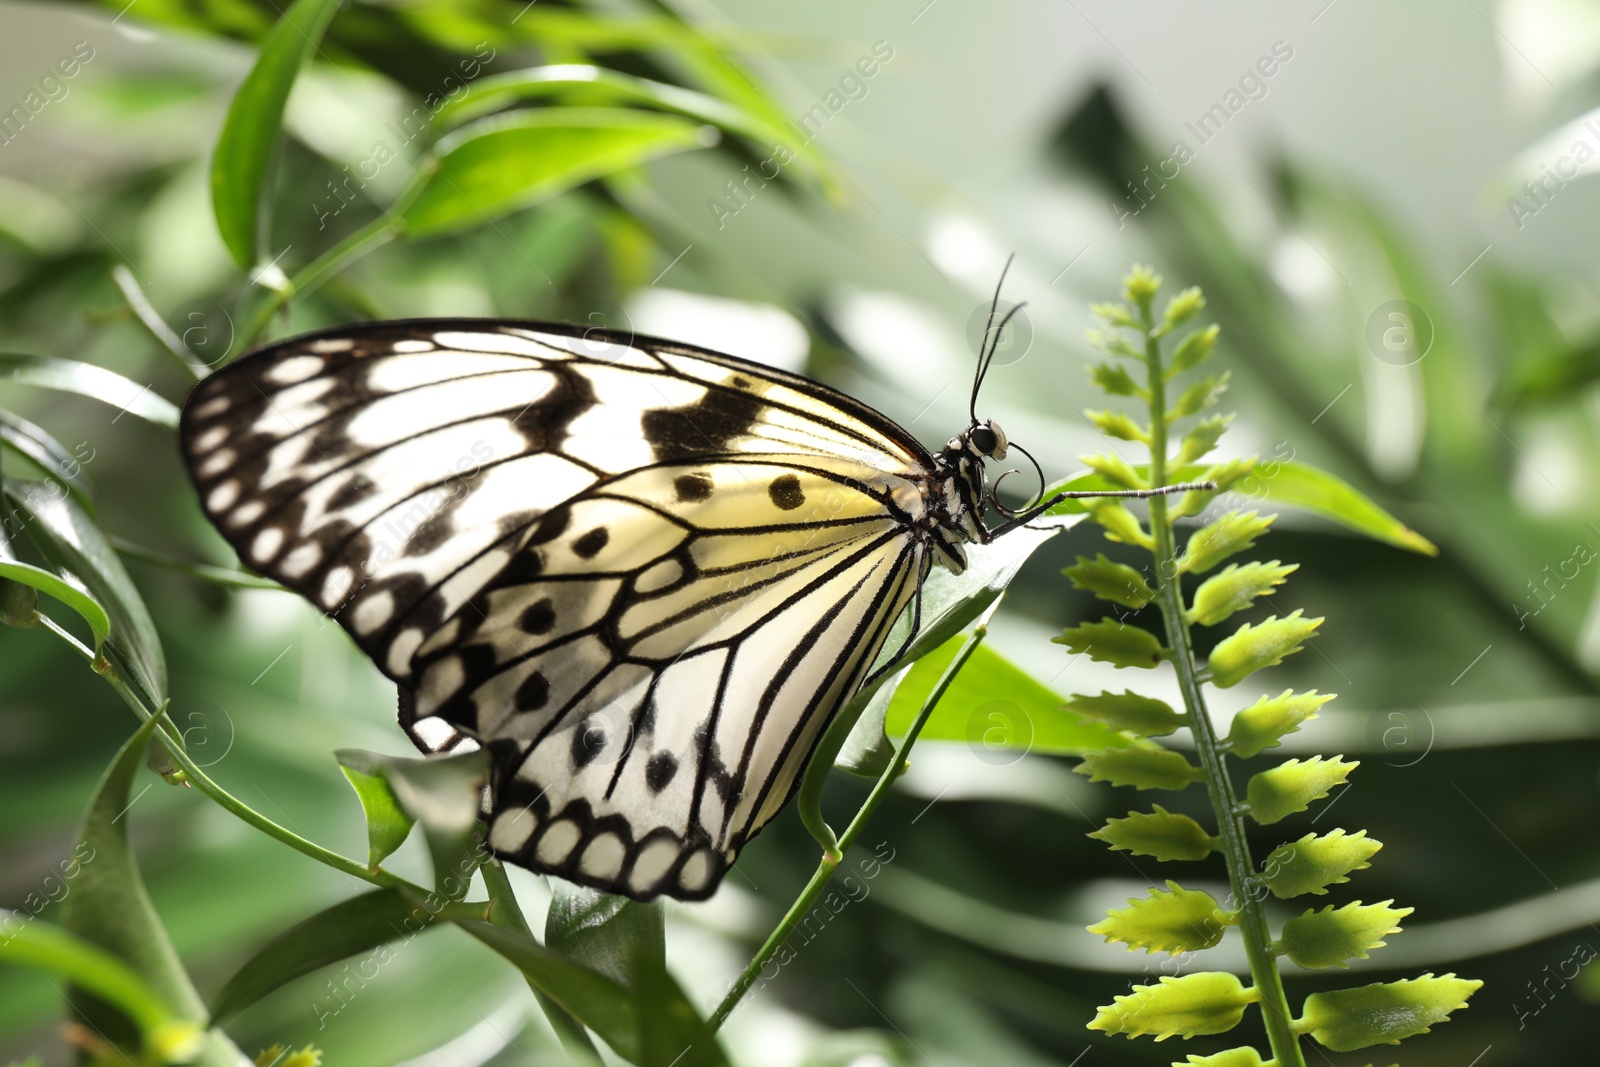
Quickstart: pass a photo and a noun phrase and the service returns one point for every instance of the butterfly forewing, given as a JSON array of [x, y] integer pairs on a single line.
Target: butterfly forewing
[[645, 576]]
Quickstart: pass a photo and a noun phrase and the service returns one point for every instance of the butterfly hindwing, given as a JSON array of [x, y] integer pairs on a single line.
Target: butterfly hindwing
[[644, 575]]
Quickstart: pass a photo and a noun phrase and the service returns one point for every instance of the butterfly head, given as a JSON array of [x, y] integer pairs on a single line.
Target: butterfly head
[[984, 441]]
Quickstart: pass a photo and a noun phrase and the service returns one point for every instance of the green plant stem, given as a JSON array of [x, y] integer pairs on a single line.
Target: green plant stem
[[1264, 973], [144, 707], [831, 860]]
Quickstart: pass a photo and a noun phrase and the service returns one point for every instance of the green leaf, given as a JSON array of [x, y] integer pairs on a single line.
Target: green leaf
[[626, 941], [48, 455], [1199, 396], [1115, 470], [1159, 833], [1115, 380], [250, 133], [1115, 315], [366, 922], [1119, 523], [1298, 485], [1312, 864], [1181, 308], [500, 164], [1141, 715], [599, 1001], [444, 794], [1244, 1056], [109, 906], [584, 84], [1235, 588], [388, 824], [1174, 920], [1107, 580], [1193, 350], [29, 943], [1213, 543], [1263, 724], [1118, 425], [1293, 786], [1194, 1005], [1332, 937], [54, 585], [1255, 647], [992, 704], [1110, 641], [1201, 439], [1386, 1012], [73, 545], [950, 604], [867, 750], [85, 379], [1141, 768]]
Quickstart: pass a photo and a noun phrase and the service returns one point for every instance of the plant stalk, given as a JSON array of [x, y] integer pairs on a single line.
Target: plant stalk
[[1264, 973]]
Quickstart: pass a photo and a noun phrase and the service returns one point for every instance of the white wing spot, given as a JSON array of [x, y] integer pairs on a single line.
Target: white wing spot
[[512, 829], [215, 406], [490, 342], [373, 612], [301, 560], [652, 864], [266, 544], [557, 843], [217, 462], [328, 345], [659, 576], [211, 438], [436, 733], [441, 680], [402, 649], [337, 584], [295, 369], [412, 346], [603, 858], [223, 496], [248, 512], [696, 871]]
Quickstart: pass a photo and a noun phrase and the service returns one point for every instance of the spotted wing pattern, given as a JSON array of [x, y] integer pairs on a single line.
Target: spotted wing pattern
[[644, 575]]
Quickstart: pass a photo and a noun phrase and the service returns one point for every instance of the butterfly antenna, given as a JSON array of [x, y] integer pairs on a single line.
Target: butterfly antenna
[[994, 494], [986, 346]]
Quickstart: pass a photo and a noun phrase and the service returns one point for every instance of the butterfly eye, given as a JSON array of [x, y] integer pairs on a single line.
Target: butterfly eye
[[987, 441], [1000, 442]]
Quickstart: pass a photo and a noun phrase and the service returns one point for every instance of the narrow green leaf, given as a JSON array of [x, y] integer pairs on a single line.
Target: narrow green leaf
[[388, 824], [109, 906], [1244, 1056], [1202, 438], [1141, 715], [1115, 315], [1384, 1013], [1171, 920], [1255, 647], [1107, 580], [1312, 864], [366, 923], [1293, 786], [1114, 380], [1199, 396], [86, 379], [993, 705], [1193, 350], [1235, 588], [1332, 937], [1110, 641], [1301, 486], [1119, 523], [27, 575], [1158, 833], [597, 1000], [49, 455], [867, 750], [1194, 1005], [1115, 470], [1141, 768], [499, 164], [250, 133], [444, 794], [1118, 425], [1213, 543], [75, 548], [1266, 722], [27, 942]]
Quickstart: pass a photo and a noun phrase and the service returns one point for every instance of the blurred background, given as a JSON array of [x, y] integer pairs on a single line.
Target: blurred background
[[1391, 211]]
